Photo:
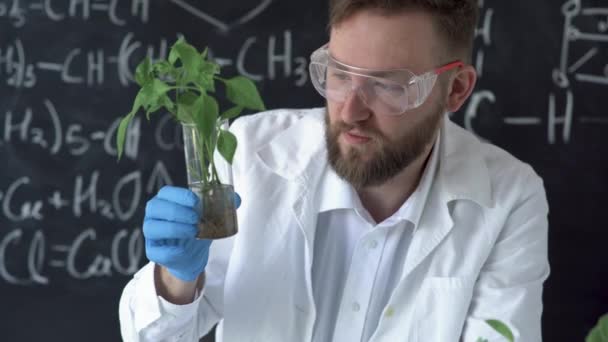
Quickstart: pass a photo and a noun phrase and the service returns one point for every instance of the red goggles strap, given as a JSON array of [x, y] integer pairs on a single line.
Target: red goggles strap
[[448, 67]]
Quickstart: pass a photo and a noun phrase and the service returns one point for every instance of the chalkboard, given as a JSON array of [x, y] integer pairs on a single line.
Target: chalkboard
[[70, 215]]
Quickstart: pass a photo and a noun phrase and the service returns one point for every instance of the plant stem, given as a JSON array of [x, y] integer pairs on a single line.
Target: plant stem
[[214, 173], [201, 147]]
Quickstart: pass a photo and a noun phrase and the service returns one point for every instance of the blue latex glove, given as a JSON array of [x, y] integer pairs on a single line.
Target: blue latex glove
[[170, 228]]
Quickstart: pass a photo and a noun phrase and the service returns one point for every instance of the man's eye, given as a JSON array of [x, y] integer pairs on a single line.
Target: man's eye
[[340, 76], [384, 86]]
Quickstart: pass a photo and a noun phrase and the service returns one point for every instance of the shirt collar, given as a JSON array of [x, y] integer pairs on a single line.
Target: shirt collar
[[338, 194], [412, 208]]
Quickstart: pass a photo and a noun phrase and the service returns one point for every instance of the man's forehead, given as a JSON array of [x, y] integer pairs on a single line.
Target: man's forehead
[[376, 61], [379, 42]]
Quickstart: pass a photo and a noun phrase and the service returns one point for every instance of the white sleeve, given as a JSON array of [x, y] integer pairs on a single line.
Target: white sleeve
[[145, 316]]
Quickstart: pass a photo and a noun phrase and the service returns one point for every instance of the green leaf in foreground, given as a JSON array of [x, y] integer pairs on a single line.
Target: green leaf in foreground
[[501, 328], [190, 58], [142, 72], [173, 54], [242, 91], [226, 145], [600, 332], [154, 97], [205, 119], [120, 134], [140, 101], [232, 113], [186, 108], [164, 69], [205, 78]]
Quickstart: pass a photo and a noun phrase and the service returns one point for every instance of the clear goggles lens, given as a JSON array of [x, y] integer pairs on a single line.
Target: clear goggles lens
[[391, 92]]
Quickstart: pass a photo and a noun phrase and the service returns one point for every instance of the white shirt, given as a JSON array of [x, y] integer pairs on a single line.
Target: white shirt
[[358, 262]]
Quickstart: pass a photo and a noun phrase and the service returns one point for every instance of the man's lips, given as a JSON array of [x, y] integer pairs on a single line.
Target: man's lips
[[354, 137]]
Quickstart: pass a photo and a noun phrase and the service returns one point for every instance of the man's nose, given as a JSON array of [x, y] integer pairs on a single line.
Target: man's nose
[[355, 108]]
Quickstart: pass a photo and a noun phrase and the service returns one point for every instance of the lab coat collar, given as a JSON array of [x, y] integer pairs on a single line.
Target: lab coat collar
[[462, 173], [291, 152]]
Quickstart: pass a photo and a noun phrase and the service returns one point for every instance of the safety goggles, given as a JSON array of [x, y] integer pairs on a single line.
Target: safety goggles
[[390, 92]]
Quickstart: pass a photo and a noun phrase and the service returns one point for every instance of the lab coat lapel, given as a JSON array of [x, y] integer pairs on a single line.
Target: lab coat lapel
[[298, 155], [435, 224], [461, 174]]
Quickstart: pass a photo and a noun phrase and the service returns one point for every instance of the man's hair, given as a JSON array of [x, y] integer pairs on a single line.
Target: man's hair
[[455, 20]]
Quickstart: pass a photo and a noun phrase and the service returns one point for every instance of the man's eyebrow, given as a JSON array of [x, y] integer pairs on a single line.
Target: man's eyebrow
[[369, 72], [381, 73]]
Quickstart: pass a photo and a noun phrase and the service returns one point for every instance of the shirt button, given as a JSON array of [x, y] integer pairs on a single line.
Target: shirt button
[[356, 307], [373, 244]]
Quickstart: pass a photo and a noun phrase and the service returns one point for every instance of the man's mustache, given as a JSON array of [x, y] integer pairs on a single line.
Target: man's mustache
[[343, 127]]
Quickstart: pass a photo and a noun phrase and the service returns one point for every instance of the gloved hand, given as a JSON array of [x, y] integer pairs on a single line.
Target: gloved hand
[[170, 229]]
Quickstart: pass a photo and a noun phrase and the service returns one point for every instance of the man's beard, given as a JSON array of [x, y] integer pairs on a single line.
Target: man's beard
[[388, 159]]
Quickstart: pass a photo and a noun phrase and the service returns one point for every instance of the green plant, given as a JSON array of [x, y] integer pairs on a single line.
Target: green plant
[[181, 85], [599, 333], [501, 328]]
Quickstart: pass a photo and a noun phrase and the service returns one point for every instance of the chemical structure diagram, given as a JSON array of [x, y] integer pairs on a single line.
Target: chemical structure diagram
[[581, 53], [583, 63]]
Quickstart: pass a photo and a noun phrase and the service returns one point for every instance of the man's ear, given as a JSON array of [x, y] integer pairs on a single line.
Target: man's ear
[[461, 86]]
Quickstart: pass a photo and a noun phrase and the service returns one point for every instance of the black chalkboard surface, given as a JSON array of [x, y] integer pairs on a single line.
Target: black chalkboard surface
[[70, 215]]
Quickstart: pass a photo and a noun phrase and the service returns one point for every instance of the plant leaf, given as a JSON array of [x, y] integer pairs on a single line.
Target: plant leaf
[[121, 133], [143, 72], [140, 101], [501, 328], [226, 145], [145, 97], [168, 104], [232, 113], [599, 333], [173, 54], [242, 91], [154, 94], [185, 107], [205, 77], [159, 88], [205, 115], [190, 58], [164, 69]]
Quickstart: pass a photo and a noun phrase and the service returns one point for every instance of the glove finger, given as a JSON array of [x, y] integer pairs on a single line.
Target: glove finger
[[158, 208], [181, 196], [165, 255], [164, 242], [237, 200], [158, 229]]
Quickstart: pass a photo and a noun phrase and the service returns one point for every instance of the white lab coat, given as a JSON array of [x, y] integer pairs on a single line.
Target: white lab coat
[[479, 252]]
